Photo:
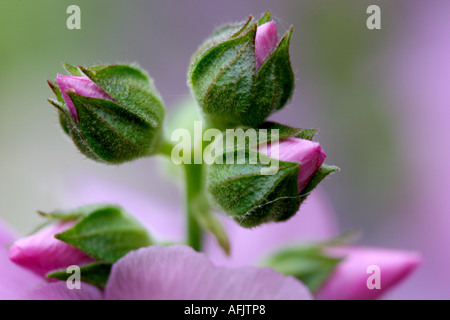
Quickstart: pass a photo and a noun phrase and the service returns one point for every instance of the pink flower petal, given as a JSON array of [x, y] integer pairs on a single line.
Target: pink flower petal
[[6, 235], [349, 279], [308, 154], [59, 291], [42, 253], [178, 272], [162, 216], [14, 280], [266, 41], [80, 85]]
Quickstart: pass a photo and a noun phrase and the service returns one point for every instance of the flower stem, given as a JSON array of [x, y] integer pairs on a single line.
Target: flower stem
[[165, 148], [194, 189]]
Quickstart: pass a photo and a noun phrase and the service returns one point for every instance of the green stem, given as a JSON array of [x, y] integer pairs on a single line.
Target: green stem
[[165, 148], [194, 189]]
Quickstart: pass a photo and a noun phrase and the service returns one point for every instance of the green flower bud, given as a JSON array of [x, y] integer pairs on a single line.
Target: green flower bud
[[113, 113], [251, 198], [92, 237], [254, 188], [242, 74]]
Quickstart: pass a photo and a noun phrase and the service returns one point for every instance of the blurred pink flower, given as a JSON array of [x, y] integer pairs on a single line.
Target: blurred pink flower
[[178, 272], [308, 154], [417, 66], [80, 85], [42, 252], [164, 219], [14, 280], [349, 280], [315, 222], [266, 41]]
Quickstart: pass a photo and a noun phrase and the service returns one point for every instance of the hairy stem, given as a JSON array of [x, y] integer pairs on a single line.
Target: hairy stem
[[194, 190]]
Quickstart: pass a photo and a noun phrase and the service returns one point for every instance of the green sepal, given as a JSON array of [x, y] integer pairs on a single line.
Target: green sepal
[[243, 141], [112, 132], [71, 126], [310, 264], [264, 18], [72, 214], [76, 71], [222, 33], [64, 118], [96, 274], [249, 197], [285, 132], [274, 83], [54, 86], [131, 88], [320, 175], [106, 234], [64, 124], [222, 78], [72, 70]]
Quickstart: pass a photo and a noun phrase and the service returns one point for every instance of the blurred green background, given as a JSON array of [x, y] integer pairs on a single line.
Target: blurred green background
[[344, 87]]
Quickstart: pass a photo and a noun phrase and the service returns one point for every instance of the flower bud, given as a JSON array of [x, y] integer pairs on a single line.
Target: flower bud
[[334, 271], [82, 86], [42, 252], [112, 112], [252, 195], [90, 237], [308, 154], [366, 273], [242, 73]]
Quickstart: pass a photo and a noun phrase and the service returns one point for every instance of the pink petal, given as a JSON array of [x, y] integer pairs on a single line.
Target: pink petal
[[349, 280], [162, 216], [42, 253], [266, 41], [178, 272], [14, 280], [418, 78], [80, 85], [6, 235], [308, 154], [316, 221], [59, 291]]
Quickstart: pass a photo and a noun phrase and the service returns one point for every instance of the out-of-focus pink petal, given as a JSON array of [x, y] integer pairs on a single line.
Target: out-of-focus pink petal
[[266, 41], [349, 279], [178, 272], [416, 68], [42, 252], [308, 154], [59, 291], [14, 280], [163, 218], [80, 85], [315, 221], [6, 235]]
